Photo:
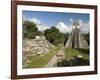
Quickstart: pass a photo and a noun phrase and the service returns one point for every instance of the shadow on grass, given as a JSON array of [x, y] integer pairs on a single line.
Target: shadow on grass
[[85, 51], [73, 62]]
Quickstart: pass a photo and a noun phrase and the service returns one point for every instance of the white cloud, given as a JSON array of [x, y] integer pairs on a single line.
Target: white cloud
[[63, 28], [85, 26], [61, 25], [40, 25], [71, 20], [36, 21]]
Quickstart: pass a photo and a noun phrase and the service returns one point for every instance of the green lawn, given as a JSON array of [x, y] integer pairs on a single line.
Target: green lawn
[[41, 61], [72, 59], [69, 53]]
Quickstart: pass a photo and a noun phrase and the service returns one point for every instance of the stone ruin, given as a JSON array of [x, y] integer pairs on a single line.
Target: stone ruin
[[38, 46], [32, 47], [76, 38]]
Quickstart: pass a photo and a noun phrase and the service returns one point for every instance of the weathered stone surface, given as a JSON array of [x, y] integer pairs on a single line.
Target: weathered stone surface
[[76, 39], [31, 47], [36, 46]]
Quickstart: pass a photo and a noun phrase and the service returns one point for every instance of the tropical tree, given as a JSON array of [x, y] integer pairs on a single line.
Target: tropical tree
[[54, 36], [29, 29]]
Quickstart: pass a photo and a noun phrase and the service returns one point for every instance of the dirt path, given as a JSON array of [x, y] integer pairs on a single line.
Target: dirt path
[[54, 59]]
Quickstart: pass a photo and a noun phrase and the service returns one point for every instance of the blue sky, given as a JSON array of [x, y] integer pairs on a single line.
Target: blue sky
[[53, 18]]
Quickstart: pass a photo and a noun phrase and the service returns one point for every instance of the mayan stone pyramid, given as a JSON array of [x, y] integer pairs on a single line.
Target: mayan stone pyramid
[[76, 38]]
